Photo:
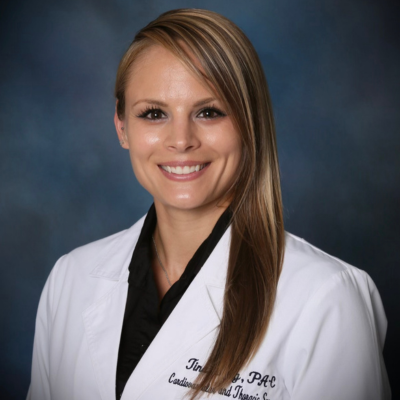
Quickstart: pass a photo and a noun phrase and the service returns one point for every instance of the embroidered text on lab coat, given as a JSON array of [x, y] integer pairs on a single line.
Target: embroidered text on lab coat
[[240, 384]]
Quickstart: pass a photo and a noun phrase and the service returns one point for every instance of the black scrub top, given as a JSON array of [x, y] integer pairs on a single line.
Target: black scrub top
[[144, 314]]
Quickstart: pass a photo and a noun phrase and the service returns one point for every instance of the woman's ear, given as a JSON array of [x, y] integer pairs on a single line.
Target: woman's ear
[[120, 128]]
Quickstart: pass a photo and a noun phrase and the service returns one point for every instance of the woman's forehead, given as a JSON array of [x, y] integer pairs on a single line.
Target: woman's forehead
[[158, 70], [154, 53]]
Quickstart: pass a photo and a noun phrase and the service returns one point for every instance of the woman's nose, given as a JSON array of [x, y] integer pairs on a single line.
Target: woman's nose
[[182, 136]]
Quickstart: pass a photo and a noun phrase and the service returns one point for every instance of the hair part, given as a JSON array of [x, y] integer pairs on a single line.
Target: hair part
[[219, 53]]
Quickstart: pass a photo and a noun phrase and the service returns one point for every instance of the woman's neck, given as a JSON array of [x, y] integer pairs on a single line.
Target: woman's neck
[[179, 233]]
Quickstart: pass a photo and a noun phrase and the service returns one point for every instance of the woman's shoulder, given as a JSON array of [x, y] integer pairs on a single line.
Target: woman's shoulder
[[312, 277], [306, 263], [327, 309]]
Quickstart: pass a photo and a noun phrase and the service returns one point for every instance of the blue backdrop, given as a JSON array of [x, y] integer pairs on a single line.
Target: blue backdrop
[[333, 70]]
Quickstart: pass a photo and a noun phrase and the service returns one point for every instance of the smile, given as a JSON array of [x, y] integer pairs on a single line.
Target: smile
[[183, 170]]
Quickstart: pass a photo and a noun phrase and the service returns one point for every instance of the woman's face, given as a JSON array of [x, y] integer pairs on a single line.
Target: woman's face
[[183, 146]]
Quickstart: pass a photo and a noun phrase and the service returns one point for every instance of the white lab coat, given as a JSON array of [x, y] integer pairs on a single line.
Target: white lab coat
[[324, 341]]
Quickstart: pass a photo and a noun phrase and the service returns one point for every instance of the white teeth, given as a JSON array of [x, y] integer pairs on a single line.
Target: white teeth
[[182, 171]]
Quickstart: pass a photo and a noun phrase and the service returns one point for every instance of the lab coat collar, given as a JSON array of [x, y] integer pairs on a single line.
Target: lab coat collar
[[111, 262], [185, 326]]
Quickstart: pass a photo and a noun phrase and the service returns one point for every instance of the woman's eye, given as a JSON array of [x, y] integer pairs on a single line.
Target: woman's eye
[[210, 113], [152, 114]]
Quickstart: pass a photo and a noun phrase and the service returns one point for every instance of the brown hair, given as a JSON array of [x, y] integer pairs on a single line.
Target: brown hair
[[231, 67]]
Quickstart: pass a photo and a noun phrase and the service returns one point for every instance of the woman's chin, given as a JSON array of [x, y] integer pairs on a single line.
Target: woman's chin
[[184, 203]]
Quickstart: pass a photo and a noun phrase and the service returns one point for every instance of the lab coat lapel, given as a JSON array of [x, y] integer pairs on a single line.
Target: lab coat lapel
[[103, 319], [197, 314], [103, 324]]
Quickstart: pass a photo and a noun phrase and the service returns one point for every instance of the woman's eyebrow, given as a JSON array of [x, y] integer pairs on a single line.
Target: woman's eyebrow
[[163, 104], [150, 101], [204, 101]]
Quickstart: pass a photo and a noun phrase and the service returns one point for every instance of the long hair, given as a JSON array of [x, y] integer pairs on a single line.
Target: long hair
[[226, 61]]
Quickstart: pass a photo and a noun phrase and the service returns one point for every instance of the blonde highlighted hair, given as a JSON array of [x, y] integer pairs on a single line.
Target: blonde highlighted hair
[[226, 61]]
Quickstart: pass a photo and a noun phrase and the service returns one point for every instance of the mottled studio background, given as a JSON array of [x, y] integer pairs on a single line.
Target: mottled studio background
[[333, 69]]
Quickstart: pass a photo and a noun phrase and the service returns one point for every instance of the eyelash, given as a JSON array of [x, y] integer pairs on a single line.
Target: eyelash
[[148, 110], [214, 109]]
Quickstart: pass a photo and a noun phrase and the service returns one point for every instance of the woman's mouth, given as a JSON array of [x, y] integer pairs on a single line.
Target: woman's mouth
[[183, 170]]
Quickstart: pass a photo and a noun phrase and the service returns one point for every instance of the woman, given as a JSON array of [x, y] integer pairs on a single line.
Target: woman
[[206, 295]]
